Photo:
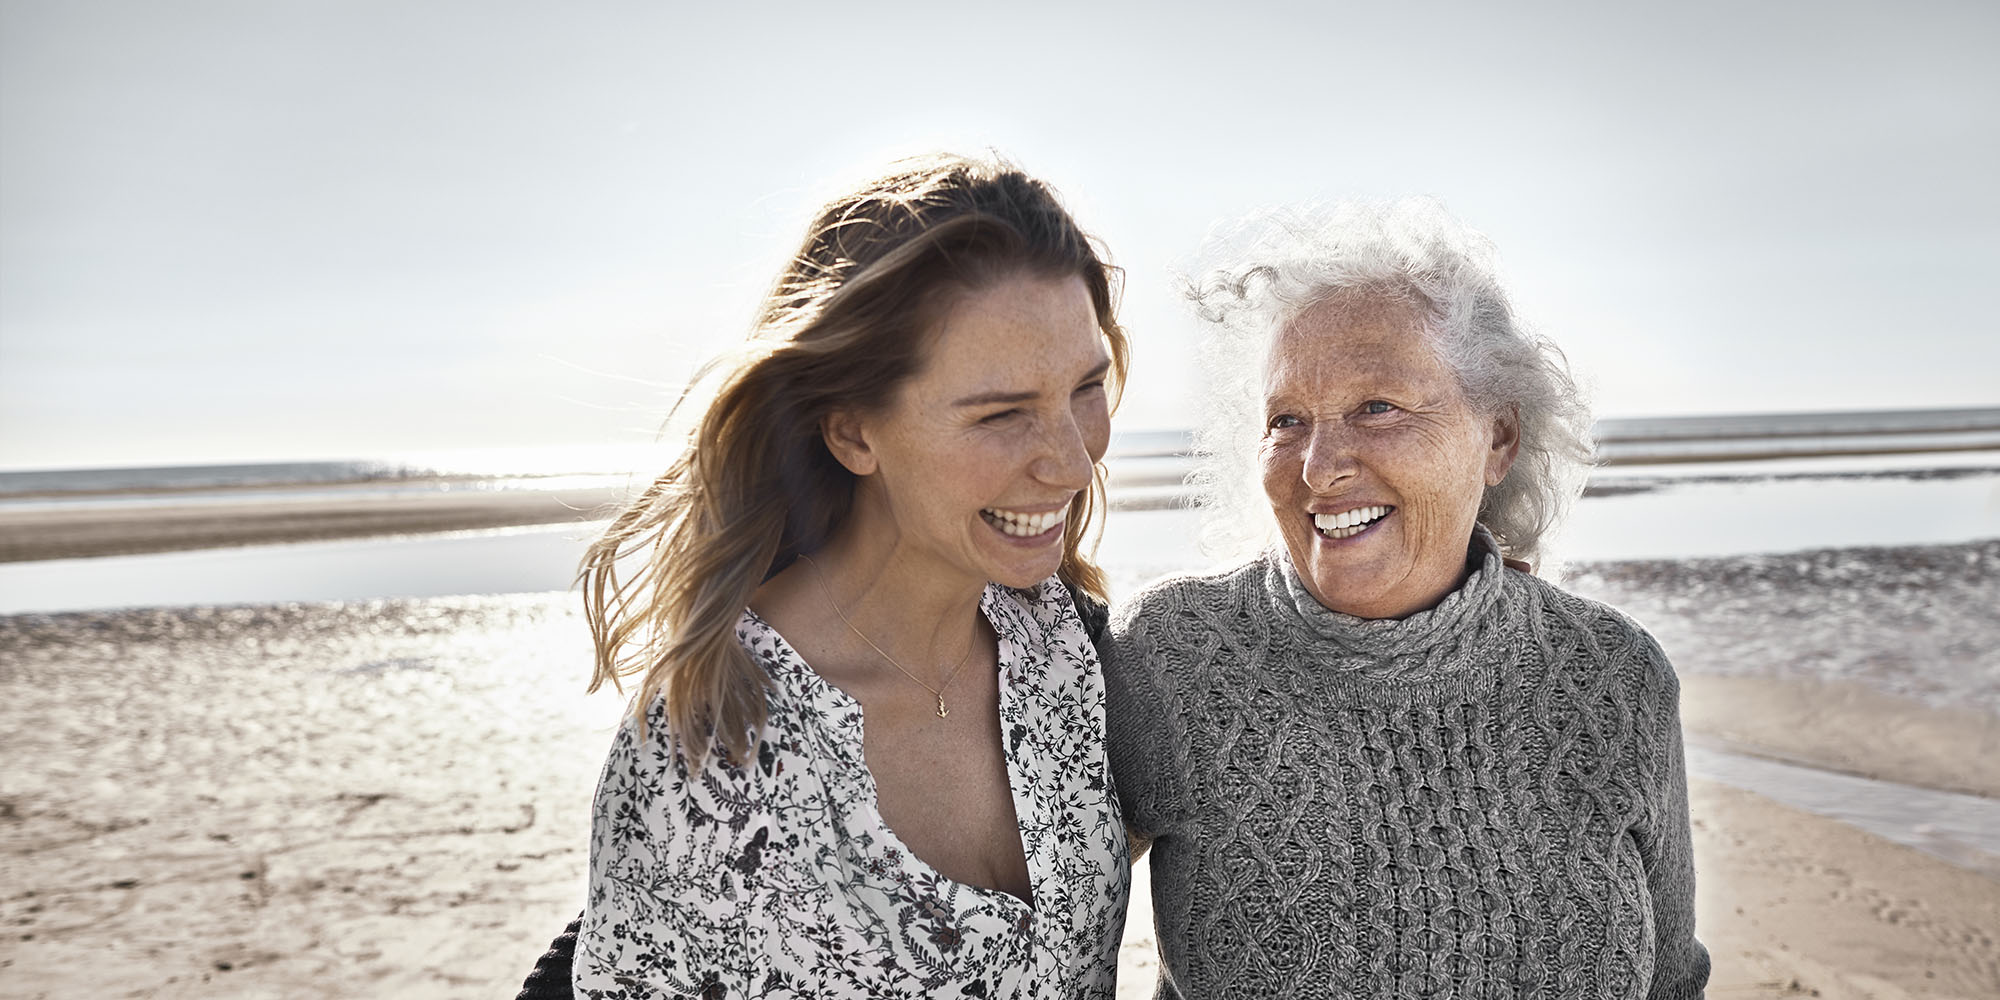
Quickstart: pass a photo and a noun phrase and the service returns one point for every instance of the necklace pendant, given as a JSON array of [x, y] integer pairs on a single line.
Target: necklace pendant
[[942, 711]]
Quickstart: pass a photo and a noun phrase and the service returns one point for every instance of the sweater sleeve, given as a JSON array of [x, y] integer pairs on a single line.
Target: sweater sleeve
[[1680, 963], [1144, 735], [671, 851]]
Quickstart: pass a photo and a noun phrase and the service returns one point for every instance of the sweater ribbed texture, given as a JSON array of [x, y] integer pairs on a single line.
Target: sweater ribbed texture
[[1483, 800]]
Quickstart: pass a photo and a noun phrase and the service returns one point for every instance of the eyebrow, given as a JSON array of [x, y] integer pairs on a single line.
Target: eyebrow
[[990, 398], [1003, 396]]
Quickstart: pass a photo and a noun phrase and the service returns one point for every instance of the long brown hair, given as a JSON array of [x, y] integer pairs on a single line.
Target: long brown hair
[[846, 323]]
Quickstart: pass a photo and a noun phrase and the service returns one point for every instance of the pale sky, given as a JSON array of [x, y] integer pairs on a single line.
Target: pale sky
[[277, 229]]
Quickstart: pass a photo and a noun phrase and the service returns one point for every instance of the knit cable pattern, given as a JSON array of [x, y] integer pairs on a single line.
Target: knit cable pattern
[[1483, 800]]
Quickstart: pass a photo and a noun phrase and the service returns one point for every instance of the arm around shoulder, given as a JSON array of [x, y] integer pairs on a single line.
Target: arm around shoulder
[[1144, 732]]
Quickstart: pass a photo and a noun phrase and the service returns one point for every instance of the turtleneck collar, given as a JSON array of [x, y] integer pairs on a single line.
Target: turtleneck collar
[[1434, 642]]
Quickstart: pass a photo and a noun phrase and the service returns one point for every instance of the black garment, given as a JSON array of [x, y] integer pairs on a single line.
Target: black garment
[[550, 978]]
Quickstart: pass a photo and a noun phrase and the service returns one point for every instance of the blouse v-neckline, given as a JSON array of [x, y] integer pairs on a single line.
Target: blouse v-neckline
[[852, 725], [774, 875]]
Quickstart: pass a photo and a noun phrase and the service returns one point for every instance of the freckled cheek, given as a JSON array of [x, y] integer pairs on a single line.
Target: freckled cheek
[[1442, 503], [973, 466], [1283, 473], [1414, 461], [1093, 422], [994, 459]]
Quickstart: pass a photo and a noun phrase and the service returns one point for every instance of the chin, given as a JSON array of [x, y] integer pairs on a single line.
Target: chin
[[1346, 590], [1405, 597], [1011, 564], [1022, 578]]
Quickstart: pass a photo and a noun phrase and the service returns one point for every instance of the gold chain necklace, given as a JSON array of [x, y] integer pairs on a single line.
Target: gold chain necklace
[[938, 692]]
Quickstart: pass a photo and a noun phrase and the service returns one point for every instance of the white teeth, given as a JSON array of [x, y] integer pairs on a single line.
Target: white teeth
[[1348, 523], [1023, 525]]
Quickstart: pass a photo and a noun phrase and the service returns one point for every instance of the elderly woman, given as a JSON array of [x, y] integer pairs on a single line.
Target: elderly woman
[[1380, 759]]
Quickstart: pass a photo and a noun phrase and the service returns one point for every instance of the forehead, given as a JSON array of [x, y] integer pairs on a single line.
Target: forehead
[[1013, 333], [1354, 339]]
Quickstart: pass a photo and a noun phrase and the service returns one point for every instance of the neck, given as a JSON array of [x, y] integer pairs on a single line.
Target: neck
[[1470, 606], [920, 618]]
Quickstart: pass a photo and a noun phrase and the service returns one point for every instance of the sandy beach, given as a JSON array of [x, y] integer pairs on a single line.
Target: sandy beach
[[389, 798]]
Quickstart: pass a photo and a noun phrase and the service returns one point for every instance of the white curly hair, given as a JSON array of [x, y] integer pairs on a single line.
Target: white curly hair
[[1259, 274]]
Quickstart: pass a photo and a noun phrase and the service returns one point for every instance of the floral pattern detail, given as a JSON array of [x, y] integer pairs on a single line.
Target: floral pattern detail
[[776, 877]]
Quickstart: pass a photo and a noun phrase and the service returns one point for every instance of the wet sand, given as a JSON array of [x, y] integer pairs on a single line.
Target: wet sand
[[390, 799], [381, 800], [258, 517], [1881, 662]]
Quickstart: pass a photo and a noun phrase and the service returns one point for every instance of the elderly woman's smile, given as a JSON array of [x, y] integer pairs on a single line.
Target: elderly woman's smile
[[1373, 460]]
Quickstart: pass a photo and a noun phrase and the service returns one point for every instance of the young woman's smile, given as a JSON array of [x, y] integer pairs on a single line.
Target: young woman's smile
[[977, 463], [1028, 527]]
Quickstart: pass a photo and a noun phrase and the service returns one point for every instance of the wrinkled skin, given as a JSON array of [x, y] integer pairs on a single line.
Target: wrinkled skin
[[1359, 412]]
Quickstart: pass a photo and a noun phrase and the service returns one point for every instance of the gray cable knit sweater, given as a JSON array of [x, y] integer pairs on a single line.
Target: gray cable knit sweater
[[1487, 799]]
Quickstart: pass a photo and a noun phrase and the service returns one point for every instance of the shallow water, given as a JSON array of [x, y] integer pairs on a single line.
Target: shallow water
[[512, 560], [1961, 829], [1782, 515], [1652, 517], [1638, 516]]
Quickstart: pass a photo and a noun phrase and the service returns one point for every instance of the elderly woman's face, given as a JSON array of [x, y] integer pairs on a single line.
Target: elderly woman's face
[[1374, 461]]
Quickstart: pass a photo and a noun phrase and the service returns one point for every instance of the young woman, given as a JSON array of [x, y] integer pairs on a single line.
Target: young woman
[[867, 753]]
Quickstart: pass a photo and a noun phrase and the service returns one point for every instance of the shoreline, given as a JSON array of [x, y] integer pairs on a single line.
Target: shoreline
[[1845, 729], [49, 524], [232, 520]]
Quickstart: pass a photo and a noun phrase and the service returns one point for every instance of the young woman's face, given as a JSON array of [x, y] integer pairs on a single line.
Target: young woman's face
[[977, 460]]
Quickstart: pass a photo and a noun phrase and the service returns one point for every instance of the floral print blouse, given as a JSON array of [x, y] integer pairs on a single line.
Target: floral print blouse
[[778, 877]]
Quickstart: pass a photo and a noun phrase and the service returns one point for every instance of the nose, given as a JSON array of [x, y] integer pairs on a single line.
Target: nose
[[1329, 456], [1065, 459]]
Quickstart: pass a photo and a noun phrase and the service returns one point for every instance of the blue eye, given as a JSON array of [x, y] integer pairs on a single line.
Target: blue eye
[[1377, 406], [1283, 420]]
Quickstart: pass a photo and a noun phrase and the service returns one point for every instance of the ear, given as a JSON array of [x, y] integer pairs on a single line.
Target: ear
[[845, 434], [1506, 444]]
